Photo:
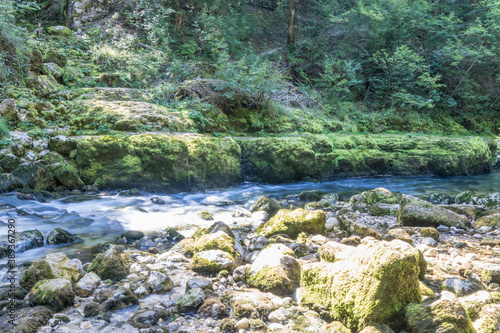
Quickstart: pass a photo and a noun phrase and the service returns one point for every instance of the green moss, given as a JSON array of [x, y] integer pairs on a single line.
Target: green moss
[[202, 265], [488, 221], [274, 279], [429, 232], [216, 241], [205, 215], [292, 223]]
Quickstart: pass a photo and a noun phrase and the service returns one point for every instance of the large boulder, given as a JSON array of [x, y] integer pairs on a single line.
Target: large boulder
[[35, 175], [212, 261], [29, 239], [275, 270], [489, 319], [442, 315], [9, 182], [378, 195], [219, 240], [28, 320], [372, 285], [62, 145], [9, 111], [293, 222], [158, 162], [52, 266], [56, 294], [43, 85], [110, 265], [420, 213]]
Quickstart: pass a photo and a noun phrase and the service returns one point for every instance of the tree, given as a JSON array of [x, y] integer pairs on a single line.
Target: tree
[[291, 23]]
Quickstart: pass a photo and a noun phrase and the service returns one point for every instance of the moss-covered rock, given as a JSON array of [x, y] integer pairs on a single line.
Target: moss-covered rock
[[250, 304], [330, 251], [293, 222], [43, 85], [69, 178], [474, 303], [374, 328], [62, 145], [218, 240], [429, 232], [29, 239], [34, 175], [28, 320], [420, 213], [59, 30], [61, 236], [158, 162], [488, 221], [378, 195], [56, 294], [355, 225], [191, 300], [110, 265], [205, 215], [266, 204], [444, 315], [401, 234], [212, 261], [374, 284], [275, 270], [489, 319], [52, 266], [319, 156]]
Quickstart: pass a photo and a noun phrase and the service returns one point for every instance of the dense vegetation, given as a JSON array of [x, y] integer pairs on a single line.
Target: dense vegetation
[[375, 66]]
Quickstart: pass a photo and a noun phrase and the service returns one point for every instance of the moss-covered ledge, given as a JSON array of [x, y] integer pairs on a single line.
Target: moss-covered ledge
[[158, 162], [285, 159]]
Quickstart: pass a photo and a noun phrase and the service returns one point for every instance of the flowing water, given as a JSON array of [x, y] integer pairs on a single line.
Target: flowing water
[[99, 218]]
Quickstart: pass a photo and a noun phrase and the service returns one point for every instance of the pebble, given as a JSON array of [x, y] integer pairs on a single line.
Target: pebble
[[242, 324]]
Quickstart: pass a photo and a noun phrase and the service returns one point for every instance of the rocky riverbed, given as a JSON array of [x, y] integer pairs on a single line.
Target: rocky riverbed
[[377, 261]]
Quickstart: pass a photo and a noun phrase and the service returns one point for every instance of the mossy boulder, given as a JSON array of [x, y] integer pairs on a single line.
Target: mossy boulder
[[87, 284], [9, 162], [110, 265], [29, 319], [43, 85], [59, 30], [443, 315], [266, 204], [56, 294], [207, 216], [313, 195], [378, 195], [355, 225], [69, 178], [52, 266], [374, 328], [191, 300], [9, 182], [29, 239], [275, 270], [250, 304], [9, 110], [331, 250], [34, 175], [420, 213], [429, 232], [212, 261], [61, 144], [489, 319], [61, 236], [373, 285], [158, 162], [293, 222], [488, 221], [218, 240]]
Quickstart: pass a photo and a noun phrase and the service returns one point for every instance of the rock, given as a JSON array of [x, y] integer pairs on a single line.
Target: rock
[[52, 266], [489, 272], [140, 160], [275, 270], [293, 222], [416, 212], [266, 204], [212, 261], [383, 209], [199, 283], [191, 300], [68, 178], [86, 286], [115, 298], [43, 85], [29, 239], [357, 225], [49, 68], [378, 195], [56, 294], [34, 175], [460, 286], [489, 319], [242, 324], [440, 199], [62, 145], [159, 282], [331, 223], [212, 307], [373, 285], [61, 236], [146, 243], [205, 216], [488, 221], [314, 195], [442, 315], [28, 319], [94, 309], [145, 318], [215, 241], [59, 30], [401, 234], [110, 265], [429, 232], [8, 110], [330, 251], [258, 243], [132, 235], [9, 162], [250, 304], [9, 182], [157, 201]]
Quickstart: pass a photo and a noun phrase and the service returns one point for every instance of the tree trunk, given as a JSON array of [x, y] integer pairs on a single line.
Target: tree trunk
[[291, 23], [178, 16], [68, 13]]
